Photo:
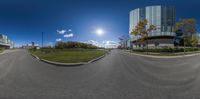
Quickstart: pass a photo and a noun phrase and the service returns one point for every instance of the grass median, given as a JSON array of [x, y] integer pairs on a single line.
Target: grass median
[[68, 55]]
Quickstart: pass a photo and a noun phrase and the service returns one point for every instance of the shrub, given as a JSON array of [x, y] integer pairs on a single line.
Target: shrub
[[171, 50], [67, 45]]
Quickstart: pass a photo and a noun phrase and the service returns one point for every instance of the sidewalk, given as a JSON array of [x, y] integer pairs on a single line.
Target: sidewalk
[[9, 51]]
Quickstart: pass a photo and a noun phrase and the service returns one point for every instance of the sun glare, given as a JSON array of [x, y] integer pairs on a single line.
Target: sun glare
[[99, 32]]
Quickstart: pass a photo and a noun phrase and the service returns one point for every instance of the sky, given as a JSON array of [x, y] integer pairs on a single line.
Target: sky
[[23, 21]]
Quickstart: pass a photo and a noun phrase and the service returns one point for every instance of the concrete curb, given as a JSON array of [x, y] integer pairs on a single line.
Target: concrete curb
[[164, 57], [35, 56], [2, 52], [63, 64], [70, 64]]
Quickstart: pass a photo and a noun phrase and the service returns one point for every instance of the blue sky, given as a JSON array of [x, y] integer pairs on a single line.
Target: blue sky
[[24, 20]]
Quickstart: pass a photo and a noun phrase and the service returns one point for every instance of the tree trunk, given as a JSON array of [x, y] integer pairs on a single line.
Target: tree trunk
[[184, 44], [147, 42]]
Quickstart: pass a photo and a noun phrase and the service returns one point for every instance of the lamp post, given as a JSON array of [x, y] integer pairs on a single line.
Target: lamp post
[[42, 39], [121, 41], [184, 43], [197, 35]]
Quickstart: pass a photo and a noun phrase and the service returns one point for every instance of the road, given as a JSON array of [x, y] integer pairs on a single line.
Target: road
[[117, 76]]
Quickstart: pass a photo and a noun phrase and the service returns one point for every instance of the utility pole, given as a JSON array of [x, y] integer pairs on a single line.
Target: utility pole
[[184, 44], [42, 39]]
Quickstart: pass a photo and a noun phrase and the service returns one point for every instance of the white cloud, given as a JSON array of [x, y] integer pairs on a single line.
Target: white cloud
[[59, 39], [68, 35], [49, 44], [61, 31], [69, 30], [105, 44], [36, 44], [96, 43], [111, 44]]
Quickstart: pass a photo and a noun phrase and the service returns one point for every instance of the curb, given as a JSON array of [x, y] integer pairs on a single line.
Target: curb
[[96, 59], [70, 64], [63, 64], [35, 57], [2, 53], [163, 57]]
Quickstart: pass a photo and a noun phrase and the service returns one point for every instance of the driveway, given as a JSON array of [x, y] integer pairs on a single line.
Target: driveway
[[117, 76]]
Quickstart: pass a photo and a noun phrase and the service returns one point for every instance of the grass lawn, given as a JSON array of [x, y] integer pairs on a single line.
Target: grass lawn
[[69, 55]]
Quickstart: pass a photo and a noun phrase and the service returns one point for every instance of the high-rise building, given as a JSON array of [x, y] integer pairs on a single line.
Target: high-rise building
[[163, 17], [5, 42]]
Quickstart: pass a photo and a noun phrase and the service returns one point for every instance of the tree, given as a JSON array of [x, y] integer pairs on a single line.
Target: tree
[[68, 45], [188, 26], [194, 41], [189, 29], [142, 31]]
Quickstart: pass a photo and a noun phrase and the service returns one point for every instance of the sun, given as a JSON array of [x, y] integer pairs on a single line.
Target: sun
[[99, 32]]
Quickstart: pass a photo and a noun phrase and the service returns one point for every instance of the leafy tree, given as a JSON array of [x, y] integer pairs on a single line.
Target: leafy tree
[[189, 30], [66, 45], [194, 41], [60, 45], [142, 31]]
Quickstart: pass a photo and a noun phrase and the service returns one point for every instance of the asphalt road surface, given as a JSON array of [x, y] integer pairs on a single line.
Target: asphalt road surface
[[117, 76]]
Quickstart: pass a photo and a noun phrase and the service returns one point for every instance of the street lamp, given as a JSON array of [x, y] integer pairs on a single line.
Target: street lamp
[[42, 39]]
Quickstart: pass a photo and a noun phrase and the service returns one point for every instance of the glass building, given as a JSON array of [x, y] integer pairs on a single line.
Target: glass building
[[5, 42], [163, 17]]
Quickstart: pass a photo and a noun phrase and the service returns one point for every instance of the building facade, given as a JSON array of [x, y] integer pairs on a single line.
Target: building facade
[[31, 46], [163, 17], [5, 42]]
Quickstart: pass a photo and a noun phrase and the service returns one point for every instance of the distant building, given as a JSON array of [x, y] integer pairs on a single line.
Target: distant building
[[163, 17], [31, 46], [125, 42], [5, 42]]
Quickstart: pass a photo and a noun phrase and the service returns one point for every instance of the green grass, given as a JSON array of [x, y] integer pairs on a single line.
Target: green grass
[[68, 55]]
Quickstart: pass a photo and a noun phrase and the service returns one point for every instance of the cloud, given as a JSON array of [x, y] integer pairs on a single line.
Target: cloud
[[59, 39], [49, 44], [69, 30], [68, 35], [96, 43], [111, 44], [105, 44], [61, 31]]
